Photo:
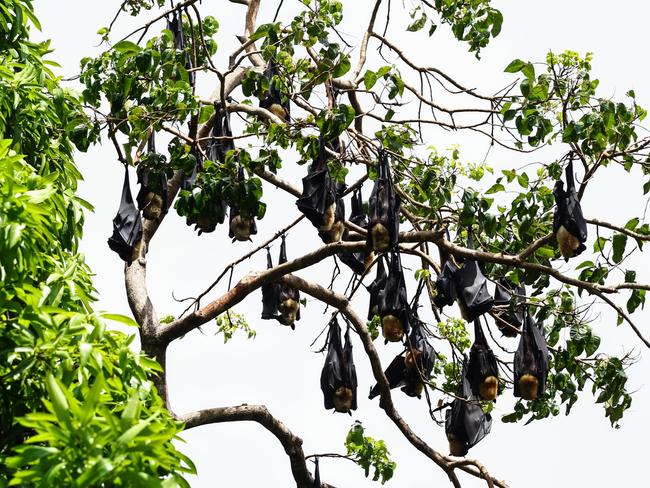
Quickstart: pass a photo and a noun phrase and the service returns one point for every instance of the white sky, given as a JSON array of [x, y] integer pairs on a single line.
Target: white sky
[[277, 368]]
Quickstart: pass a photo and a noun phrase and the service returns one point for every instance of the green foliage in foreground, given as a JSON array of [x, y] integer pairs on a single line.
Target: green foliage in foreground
[[77, 407]]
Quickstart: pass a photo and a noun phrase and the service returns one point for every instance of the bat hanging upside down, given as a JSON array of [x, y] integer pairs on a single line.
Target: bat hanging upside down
[[392, 328], [528, 386], [380, 237], [343, 399], [328, 218], [567, 242], [152, 209], [288, 309], [240, 228]]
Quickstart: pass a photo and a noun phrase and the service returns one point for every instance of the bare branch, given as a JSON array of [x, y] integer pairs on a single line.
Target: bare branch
[[291, 443]]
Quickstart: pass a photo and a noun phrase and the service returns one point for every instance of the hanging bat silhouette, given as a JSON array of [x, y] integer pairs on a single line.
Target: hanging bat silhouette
[[446, 282], [569, 224], [127, 225], [289, 300], [335, 233], [152, 197], [393, 307], [413, 366], [531, 361], [465, 422], [375, 289], [318, 200], [270, 294], [187, 183], [338, 379], [482, 367], [241, 227], [273, 100], [357, 261], [512, 296], [384, 206], [175, 25], [474, 298], [216, 149]]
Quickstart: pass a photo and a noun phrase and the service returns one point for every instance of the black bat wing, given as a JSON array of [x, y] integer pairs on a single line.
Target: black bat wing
[[332, 373], [384, 204], [350, 371], [568, 212], [273, 95], [393, 299], [127, 225], [216, 149], [395, 374], [356, 261], [531, 356], [466, 420], [482, 362], [317, 190], [540, 349], [376, 287], [270, 294], [420, 342], [446, 285], [473, 288]]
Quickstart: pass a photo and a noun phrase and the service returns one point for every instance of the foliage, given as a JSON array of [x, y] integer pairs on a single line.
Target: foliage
[[78, 406], [506, 211], [231, 322], [369, 453]]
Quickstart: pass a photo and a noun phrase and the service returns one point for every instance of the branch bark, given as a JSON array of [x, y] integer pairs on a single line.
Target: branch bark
[[291, 443]]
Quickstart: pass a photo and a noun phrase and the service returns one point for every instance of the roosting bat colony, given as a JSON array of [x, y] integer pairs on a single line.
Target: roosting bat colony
[[460, 281]]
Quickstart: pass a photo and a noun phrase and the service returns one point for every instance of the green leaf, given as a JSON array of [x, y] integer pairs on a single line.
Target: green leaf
[[515, 66], [57, 397], [126, 47], [369, 79]]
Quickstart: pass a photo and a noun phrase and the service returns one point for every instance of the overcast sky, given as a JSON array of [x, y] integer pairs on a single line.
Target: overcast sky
[[278, 368]]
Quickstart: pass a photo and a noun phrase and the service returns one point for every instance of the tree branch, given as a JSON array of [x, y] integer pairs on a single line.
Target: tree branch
[[291, 443]]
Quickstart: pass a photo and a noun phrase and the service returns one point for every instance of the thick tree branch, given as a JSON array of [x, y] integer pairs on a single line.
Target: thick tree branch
[[291, 443]]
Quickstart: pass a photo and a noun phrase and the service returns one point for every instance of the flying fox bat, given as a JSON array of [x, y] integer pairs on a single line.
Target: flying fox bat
[[531, 361], [474, 298], [393, 307], [241, 227], [482, 367], [273, 101], [152, 197], [446, 282], [384, 207], [289, 300], [335, 233], [357, 261], [318, 200], [127, 225], [568, 222], [338, 379], [465, 422], [375, 289], [413, 366], [270, 294]]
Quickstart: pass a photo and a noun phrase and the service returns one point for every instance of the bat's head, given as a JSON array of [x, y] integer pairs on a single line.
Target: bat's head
[[343, 399], [528, 386], [488, 388], [392, 329]]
